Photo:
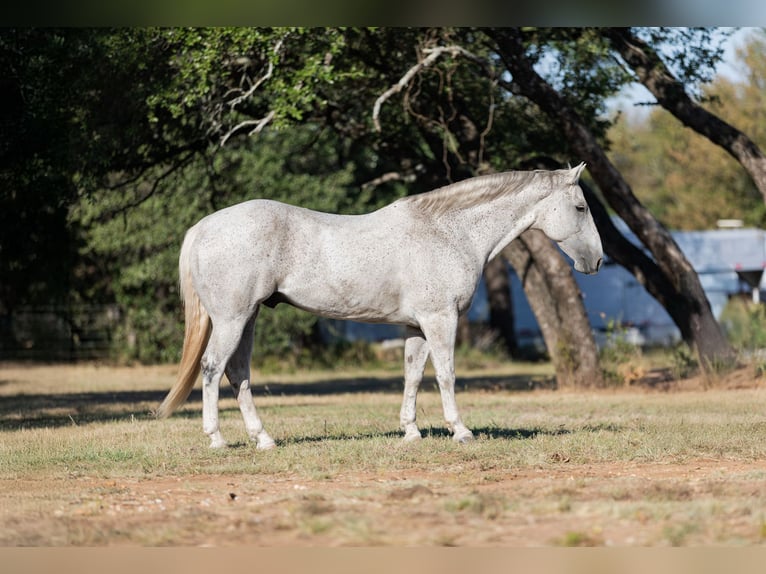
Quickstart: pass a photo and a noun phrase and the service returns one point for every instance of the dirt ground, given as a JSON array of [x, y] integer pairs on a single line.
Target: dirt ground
[[532, 507], [694, 503]]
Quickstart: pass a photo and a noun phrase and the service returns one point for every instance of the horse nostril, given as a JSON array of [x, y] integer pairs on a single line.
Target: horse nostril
[[598, 264]]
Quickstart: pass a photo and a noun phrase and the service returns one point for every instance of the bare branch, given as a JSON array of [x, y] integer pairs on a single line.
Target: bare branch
[[393, 176], [432, 55], [259, 125], [259, 82], [487, 128]]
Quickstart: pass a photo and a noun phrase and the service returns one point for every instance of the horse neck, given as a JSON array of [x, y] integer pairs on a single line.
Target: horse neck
[[490, 226]]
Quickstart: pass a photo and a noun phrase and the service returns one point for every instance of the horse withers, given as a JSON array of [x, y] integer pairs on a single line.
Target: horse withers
[[416, 262]]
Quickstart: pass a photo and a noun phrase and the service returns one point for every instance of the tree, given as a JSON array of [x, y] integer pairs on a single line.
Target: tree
[[107, 120], [36, 245]]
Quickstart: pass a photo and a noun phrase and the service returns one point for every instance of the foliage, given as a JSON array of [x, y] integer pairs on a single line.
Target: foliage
[[35, 151], [89, 109], [619, 358], [745, 324], [579, 64]]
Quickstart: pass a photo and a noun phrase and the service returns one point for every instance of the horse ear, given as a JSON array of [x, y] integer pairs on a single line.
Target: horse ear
[[576, 171]]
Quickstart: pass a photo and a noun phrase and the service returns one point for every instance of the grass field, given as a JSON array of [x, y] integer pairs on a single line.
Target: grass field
[[83, 463]]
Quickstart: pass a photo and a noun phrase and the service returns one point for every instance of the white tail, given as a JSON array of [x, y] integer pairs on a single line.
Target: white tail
[[196, 335]]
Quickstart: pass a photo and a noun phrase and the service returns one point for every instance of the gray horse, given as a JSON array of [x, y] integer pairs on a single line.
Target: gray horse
[[415, 262]]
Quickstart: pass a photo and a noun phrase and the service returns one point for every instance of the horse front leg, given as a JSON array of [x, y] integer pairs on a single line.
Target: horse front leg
[[440, 333], [415, 357], [238, 373]]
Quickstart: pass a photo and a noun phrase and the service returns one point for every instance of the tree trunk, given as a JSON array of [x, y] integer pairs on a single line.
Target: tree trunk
[[500, 304], [463, 334], [672, 96], [641, 266], [700, 326], [556, 301]]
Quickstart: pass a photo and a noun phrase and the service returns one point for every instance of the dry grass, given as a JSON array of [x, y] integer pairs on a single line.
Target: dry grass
[[83, 463]]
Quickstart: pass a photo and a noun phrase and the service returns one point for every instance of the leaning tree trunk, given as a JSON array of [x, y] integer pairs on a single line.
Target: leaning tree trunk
[[501, 319], [703, 331], [556, 301], [672, 96], [640, 265]]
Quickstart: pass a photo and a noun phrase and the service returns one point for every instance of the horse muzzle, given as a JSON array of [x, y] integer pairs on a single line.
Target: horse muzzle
[[588, 268]]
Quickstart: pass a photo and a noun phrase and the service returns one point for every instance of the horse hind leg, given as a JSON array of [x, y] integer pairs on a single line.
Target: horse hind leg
[[238, 373], [224, 340]]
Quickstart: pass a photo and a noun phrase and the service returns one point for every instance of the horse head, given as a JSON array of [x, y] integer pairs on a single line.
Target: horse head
[[564, 216]]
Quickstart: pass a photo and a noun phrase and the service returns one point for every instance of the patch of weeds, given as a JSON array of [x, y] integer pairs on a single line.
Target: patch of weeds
[[490, 506], [315, 525], [565, 504], [481, 356], [683, 362], [677, 534], [713, 370], [620, 359], [744, 324], [577, 538]]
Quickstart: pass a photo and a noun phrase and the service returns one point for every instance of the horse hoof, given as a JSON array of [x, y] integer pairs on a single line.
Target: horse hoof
[[266, 444], [218, 444], [412, 437], [464, 438]]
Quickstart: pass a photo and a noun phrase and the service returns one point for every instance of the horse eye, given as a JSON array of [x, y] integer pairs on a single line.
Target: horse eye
[[581, 208]]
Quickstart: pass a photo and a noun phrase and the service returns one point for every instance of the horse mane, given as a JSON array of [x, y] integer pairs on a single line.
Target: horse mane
[[474, 191]]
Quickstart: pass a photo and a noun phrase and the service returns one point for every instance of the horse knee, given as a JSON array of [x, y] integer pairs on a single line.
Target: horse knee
[[210, 368]]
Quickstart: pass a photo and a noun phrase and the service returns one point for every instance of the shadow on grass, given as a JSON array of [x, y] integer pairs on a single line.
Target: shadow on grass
[[480, 433], [39, 410]]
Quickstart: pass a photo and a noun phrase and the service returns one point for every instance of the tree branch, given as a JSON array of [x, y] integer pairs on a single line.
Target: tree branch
[[671, 95], [393, 176], [259, 82], [109, 214], [261, 123], [433, 54], [699, 327]]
